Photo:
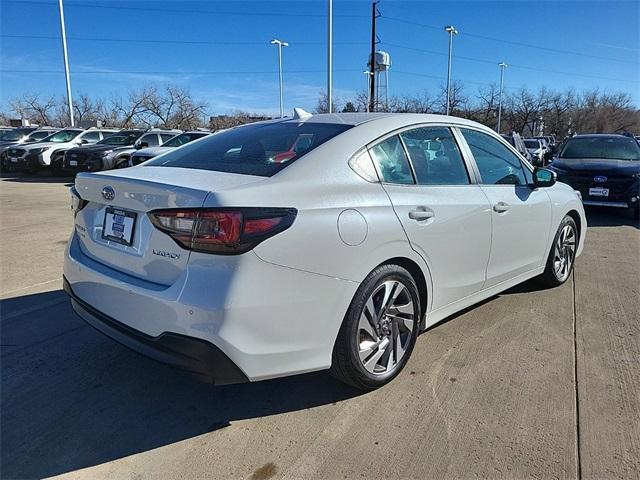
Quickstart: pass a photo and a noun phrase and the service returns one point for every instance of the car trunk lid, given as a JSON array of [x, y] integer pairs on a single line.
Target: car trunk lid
[[115, 230]]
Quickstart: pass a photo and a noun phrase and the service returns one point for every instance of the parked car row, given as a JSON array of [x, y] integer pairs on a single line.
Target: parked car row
[[71, 150]]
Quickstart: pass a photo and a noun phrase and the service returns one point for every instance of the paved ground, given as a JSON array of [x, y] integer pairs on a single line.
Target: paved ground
[[491, 393]]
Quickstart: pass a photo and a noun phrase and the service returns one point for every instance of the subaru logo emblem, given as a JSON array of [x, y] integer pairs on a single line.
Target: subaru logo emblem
[[108, 193], [600, 179]]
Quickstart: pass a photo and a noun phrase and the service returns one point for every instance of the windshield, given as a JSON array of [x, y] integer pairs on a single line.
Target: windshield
[[122, 138], [15, 134], [182, 139], [63, 136], [258, 149], [532, 143], [614, 148]]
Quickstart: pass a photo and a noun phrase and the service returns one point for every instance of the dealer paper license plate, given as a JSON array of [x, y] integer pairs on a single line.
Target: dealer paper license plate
[[119, 225]]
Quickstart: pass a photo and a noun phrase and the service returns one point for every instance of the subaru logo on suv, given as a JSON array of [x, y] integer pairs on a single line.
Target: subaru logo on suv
[[600, 179], [108, 193]]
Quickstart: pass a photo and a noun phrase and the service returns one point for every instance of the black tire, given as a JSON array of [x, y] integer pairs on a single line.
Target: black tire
[[635, 212], [346, 365], [56, 167], [550, 277]]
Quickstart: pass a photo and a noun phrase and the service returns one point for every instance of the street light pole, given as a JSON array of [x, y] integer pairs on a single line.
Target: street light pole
[[369, 75], [280, 44], [451, 30], [502, 66], [330, 57], [66, 61]]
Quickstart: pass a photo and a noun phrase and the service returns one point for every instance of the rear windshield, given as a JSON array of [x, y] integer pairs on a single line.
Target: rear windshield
[[15, 134], [509, 139], [615, 148], [259, 149]]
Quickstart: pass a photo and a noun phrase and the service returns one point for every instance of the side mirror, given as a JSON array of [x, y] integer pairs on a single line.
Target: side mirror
[[84, 141], [141, 145], [543, 177]]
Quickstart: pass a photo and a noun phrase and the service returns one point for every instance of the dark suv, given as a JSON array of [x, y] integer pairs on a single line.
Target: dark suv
[[605, 169], [100, 156]]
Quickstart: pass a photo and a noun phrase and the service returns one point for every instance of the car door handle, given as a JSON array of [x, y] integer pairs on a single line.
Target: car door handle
[[501, 207], [421, 214]]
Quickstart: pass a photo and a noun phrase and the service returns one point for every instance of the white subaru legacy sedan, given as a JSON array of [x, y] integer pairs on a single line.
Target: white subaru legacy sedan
[[313, 242]]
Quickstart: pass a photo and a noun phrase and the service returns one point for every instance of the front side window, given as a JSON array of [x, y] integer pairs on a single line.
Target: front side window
[[392, 162], [261, 149], [150, 139], [121, 138], [497, 164], [165, 137], [435, 156]]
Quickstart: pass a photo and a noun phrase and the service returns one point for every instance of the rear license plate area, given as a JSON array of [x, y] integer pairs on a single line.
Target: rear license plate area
[[119, 225]]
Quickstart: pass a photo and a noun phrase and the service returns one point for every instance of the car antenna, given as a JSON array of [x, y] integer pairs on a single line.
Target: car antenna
[[301, 114]]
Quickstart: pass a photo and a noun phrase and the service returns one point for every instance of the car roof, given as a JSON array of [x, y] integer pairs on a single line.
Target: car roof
[[355, 119]]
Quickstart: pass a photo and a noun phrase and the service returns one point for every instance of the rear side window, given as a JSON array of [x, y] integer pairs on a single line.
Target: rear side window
[[166, 136], [392, 163], [435, 156], [497, 164], [259, 149]]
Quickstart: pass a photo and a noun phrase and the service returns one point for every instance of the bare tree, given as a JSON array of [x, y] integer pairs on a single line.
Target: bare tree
[[30, 107], [323, 104], [457, 98]]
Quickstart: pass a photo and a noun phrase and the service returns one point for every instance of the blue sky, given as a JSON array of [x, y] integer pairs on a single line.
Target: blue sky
[[220, 49]]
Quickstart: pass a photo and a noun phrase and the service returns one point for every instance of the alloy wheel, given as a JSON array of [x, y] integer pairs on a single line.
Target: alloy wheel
[[564, 252], [385, 327]]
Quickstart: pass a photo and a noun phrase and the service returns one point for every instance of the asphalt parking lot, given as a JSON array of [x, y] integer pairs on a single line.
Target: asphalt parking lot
[[532, 383]]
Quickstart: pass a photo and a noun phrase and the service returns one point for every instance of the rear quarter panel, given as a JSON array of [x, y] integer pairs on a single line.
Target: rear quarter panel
[[321, 185]]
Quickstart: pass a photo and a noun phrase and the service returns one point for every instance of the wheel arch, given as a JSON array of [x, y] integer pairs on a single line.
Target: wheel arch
[[418, 276], [576, 218]]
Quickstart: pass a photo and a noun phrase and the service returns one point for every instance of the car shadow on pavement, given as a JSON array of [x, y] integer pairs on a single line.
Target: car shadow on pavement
[[38, 178], [72, 398], [610, 217]]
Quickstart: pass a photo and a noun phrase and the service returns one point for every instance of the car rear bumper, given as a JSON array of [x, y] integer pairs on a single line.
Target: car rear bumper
[[197, 357], [267, 320]]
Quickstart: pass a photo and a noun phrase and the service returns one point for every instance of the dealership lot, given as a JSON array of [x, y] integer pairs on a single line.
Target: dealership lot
[[533, 382]]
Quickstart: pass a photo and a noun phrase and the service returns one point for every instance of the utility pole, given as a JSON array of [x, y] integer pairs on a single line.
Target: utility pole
[[502, 66], [330, 57], [372, 58], [280, 44], [451, 30], [66, 62]]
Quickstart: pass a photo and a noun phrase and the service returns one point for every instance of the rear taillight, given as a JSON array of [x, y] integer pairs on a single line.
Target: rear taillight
[[222, 231], [77, 202]]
